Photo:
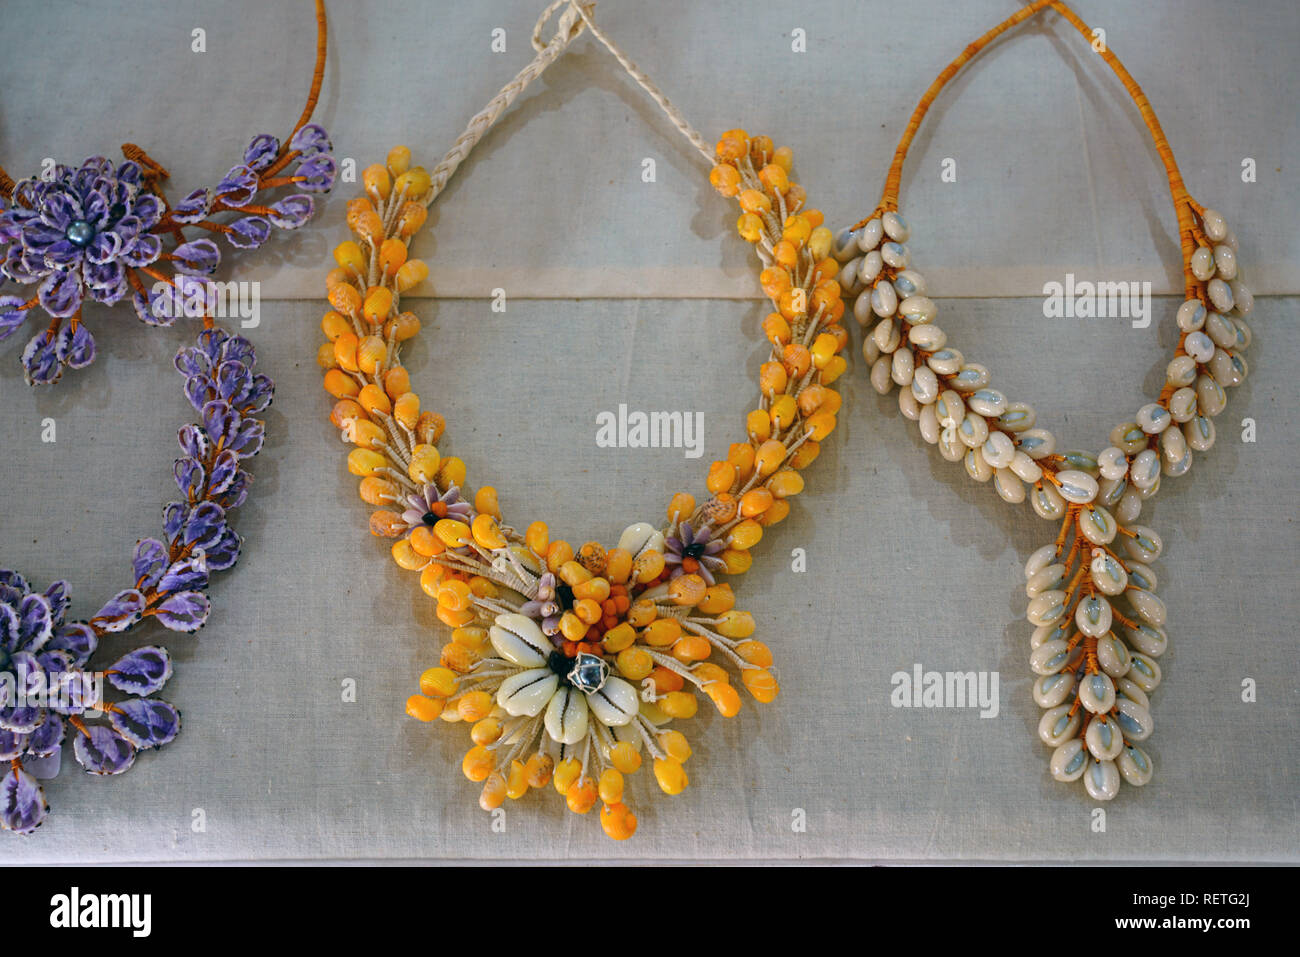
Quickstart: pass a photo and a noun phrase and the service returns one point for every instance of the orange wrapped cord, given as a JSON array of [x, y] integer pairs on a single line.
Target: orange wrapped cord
[[1189, 233]]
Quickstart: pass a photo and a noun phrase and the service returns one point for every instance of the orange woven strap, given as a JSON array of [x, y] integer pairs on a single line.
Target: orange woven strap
[[1189, 232]]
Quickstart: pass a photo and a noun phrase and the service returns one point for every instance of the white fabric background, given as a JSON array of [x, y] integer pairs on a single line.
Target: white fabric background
[[908, 560]]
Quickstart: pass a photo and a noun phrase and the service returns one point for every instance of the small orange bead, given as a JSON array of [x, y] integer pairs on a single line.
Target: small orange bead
[[690, 648], [760, 683], [582, 796], [796, 360], [680, 507], [617, 821], [422, 708], [725, 698], [662, 632], [666, 681], [477, 763], [776, 328], [538, 769], [772, 378], [725, 179]]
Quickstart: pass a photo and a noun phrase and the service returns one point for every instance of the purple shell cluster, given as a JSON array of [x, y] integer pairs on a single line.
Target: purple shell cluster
[[39, 650], [80, 234]]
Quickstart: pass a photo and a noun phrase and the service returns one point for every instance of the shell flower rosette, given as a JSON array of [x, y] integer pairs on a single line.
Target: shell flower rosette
[[102, 233], [569, 664]]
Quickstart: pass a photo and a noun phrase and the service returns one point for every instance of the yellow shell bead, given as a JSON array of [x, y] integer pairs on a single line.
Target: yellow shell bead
[[537, 537], [821, 425], [635, 663], [486, 533], [820, 242], [325, 356], [758, 425], [736, 624], [725, 698], [625, 757], [403, 326], [377, 491], [611, 786], [736, 562], [378, 184], [675, 746], [485, 501], [423, 709], [345, 298], [671, 775], [783, 412], [785, 483], [430, 576], [410, 219], [378, 304], [681, 506], [619, 637], [752, 201], [392, 255], [750, 227], [397, 382], [412, 273], [415, 182], [761, 684], [407, 557], [783, 157], [834, 369], [516, 781], [717, 599], [364, 462], [454, 534], [747, 534], [406, 410], [725, 179], [341, 385], [373, 398], [582, 796], [425, 461], [350, 257], [566, 772], [364, 434], [372, 353], [451, 472], [679, 704], [769, 457], [399, 160], [438, 683], [345, 351], [334, 324]]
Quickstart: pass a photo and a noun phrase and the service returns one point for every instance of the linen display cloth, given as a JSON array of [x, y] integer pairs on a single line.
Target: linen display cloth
[[620, 291]]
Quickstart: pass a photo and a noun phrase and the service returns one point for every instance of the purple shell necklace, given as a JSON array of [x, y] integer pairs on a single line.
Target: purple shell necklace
[[99, 233]]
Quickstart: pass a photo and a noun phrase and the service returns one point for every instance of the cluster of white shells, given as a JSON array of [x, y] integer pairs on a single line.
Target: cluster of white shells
[[1109, 705], [998, 440]]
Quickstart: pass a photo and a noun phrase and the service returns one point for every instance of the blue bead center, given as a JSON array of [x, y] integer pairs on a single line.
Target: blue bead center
[[80, 233]]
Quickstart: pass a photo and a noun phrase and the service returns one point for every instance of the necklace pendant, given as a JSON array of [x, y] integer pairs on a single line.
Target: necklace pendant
[[1099, 629]]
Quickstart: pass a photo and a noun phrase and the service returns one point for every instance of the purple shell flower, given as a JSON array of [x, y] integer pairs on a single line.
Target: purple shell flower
[[193, 208], [292, 211], [199, 257], [238, 188], [698, 547], [261, 152], [249, 232], [310, 140], [69, 231], [317, 173], [428, 507]]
